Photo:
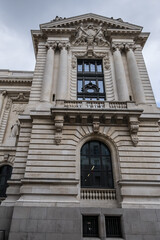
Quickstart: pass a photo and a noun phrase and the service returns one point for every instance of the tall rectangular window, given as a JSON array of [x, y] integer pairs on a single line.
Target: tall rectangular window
[[90, 80]]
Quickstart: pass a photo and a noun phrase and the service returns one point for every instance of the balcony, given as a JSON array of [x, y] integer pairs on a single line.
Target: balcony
[[98, 194], [97, 104]]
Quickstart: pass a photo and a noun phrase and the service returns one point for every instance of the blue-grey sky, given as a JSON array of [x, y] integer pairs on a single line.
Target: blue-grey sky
[[18, 17]]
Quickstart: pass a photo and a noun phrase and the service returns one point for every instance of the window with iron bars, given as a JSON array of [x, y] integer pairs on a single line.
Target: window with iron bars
[[113, 226], [90, 80], [90, 226]]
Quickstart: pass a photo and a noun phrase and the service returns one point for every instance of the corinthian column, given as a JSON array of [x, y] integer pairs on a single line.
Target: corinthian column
[[136, 83], [120, 74], [62, 83], [48, 73]]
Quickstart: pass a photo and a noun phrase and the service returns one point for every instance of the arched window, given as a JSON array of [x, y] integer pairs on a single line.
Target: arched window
[[5, 175], [96, 166]]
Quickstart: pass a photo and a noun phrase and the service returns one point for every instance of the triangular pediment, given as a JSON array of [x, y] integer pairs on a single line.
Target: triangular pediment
[[89, 18]]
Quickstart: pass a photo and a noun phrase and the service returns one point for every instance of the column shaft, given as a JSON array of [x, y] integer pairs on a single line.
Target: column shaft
[[62, 83], [136, 83], [48, 76], [120, 77], [2, 96]]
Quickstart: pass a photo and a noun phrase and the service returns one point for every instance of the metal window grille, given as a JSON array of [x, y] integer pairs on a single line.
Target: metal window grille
[[2, 234], [90, 226], [113, 226]]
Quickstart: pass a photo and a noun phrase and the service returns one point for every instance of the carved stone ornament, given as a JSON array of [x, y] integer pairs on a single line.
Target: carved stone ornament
[[52, 45], [8, 104], [59, 120], [128, 46], [117, 46], [90, 35], [105, 56], [9, 159], [123, 46], [96, 124], [19, 108], [61, 45], [106, 62], [134, 127], [15, 129], [20, 97]]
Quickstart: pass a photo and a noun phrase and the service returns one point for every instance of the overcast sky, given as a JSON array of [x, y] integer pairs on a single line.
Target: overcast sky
[[18, 17]]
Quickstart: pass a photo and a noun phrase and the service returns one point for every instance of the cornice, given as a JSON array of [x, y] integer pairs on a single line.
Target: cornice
[[15, 80], [90, 17], [123, 31]]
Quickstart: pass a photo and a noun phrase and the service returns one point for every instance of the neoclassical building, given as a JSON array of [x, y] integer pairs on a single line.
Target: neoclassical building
[[79, 136]]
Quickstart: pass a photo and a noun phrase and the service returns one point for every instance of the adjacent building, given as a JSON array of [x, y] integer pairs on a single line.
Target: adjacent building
[[79, 136]]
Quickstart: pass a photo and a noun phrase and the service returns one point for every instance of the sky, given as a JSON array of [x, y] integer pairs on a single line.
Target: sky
[[18, 17]]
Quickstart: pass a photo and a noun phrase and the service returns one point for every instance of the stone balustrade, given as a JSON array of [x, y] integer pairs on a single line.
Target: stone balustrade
[[98, 194], [95, 104], [118, 105]]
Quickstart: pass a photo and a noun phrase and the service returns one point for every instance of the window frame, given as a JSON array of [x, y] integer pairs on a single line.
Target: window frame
[[96, 173], [89, 90]]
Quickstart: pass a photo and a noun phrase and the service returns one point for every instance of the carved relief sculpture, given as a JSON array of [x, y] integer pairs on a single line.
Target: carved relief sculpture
[[90, 35]]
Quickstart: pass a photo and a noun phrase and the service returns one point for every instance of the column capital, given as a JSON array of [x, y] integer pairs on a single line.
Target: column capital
[[117, 46], [51, 45], [129, 47], [63, 45], [4, 93]]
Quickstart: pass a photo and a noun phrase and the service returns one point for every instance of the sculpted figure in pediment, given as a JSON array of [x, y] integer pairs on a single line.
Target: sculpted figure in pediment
[[90, 35], [81, 35], [99, 37]]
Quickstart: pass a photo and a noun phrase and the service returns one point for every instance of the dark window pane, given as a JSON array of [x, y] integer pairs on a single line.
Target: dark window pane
[[85, 160], [105, 151], [80, 67], [79, 85], [86, 66], [90, 226], [99, 67], [85, 149], [100, 85], [95, 161], [92, 67], [87, 82], [94, 148]]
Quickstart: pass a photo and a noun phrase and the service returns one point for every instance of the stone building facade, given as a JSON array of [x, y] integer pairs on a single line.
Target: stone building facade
[[79, 136]]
